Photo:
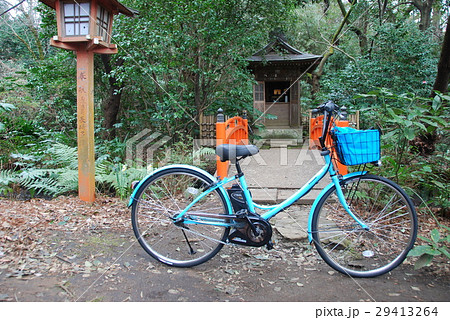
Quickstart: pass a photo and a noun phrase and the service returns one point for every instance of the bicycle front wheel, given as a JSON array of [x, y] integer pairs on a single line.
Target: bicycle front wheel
[[388, 212], [161, 198]]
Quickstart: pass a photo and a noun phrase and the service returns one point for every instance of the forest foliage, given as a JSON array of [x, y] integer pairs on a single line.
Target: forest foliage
[[180, 58]]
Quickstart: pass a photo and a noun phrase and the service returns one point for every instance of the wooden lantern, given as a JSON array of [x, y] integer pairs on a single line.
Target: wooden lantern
[[86, 23], [85, 26]]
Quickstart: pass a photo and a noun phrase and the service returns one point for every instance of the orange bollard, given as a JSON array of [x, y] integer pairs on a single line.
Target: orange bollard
[[232, 131], [315, 132], [222, 167]]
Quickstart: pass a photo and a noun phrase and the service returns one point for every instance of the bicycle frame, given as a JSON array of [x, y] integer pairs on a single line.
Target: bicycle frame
[[231, 221]]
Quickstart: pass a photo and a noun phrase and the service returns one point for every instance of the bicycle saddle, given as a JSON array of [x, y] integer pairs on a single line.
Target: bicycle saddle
[[232, 152]]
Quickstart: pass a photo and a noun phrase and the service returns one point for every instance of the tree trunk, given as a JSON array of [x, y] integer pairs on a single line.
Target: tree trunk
[[425, 7], [382, 6], [443, 72], [426, 143], [111, 105]]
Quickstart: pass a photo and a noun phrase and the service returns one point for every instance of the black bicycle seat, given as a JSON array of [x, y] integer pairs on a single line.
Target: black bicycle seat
[[232, 152]]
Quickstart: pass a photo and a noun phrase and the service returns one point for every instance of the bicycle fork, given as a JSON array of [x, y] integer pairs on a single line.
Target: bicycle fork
[[343, 201]]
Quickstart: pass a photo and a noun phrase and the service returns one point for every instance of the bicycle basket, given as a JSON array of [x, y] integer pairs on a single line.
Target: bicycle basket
[[355, 147]]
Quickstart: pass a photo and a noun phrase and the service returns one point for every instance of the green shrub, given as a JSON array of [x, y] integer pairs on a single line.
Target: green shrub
[[436, 245]]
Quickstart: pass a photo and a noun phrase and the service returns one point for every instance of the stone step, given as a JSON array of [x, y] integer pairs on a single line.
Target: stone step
[[292, 223]]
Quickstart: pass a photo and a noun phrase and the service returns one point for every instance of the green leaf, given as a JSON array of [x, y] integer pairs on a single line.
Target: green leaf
[[434, 252], [409, 133], [423, 261], [431, 123], [6, 106], [389, 134], [439, 184], [445, 252], [435, 235], [421, 126], [441, 120], [394, 115], [418, 251], [437, 102]]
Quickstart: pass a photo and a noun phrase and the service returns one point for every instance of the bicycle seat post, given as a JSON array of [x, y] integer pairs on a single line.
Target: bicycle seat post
[[238, 168]]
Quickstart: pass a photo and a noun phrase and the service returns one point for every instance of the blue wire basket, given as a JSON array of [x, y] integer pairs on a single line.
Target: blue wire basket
[[354, 147]]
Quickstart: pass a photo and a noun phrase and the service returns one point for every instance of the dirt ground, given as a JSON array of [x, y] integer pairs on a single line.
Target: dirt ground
[[67, 250]]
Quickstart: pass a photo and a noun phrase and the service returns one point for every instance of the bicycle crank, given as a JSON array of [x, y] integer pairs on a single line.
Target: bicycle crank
[[256, 233]]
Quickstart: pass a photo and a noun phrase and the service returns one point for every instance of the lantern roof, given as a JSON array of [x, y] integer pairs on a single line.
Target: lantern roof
[[113, 5], [279, 51]]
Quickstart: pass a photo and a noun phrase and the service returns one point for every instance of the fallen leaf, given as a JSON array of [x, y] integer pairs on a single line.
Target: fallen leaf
[[3, 297], [393, 294]]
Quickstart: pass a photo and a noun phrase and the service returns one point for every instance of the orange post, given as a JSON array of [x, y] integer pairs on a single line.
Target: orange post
[[232, 131], [315, 131], [222, 167], [85, 124]]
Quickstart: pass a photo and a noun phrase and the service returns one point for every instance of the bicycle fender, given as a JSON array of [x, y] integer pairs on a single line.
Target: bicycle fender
[[328, 187], [183, 166]]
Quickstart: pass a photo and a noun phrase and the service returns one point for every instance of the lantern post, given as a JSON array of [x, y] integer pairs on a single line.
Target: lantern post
[[85, 26]]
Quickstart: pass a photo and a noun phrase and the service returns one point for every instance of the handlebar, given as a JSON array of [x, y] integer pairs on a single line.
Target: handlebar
[[327, 109]]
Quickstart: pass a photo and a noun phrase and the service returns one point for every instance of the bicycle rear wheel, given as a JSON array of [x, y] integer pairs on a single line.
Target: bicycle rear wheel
[[380, 204], [161, 198]]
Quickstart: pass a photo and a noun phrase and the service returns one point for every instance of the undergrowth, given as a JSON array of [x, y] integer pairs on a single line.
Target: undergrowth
[[55, 171]]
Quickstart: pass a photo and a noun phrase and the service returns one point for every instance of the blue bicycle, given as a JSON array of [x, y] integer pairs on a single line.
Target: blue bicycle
[[362, 225]]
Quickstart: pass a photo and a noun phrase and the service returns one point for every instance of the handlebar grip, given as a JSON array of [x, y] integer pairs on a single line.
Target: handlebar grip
[[328, 106]]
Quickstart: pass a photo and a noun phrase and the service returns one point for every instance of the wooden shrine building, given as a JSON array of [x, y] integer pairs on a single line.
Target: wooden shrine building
[[278, 67]]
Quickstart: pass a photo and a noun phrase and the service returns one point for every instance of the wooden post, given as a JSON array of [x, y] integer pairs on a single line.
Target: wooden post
[[86, 36], [85, 125]]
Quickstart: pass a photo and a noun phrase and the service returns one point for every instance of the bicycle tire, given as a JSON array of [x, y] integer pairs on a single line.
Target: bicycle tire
[[383, 206], [160, 198]]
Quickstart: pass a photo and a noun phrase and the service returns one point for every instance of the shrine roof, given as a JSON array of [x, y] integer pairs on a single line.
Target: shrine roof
[[281, 51]]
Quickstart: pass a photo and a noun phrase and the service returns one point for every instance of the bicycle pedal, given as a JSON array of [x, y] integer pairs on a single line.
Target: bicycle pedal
[[269, 245]]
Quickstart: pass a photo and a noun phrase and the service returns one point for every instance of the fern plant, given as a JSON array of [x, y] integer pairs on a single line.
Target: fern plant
[[118, 176], [7, 177], [5, 107], [63, 156], [60, 174]]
